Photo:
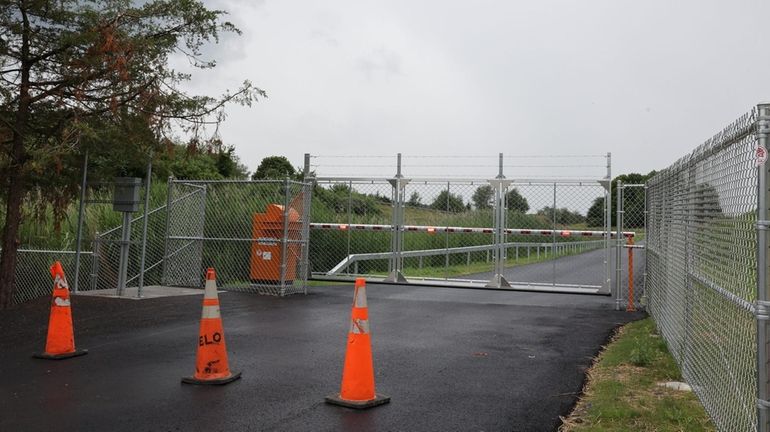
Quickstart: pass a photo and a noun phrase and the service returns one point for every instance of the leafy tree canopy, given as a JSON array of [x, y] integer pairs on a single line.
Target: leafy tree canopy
[[78, 75]]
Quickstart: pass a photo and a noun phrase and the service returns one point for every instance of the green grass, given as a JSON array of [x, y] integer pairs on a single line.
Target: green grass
[[622, 392]]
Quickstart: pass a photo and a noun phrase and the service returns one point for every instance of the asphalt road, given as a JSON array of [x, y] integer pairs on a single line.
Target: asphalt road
[[451, 359]]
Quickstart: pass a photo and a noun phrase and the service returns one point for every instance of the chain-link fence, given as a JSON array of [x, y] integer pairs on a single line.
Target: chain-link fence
[[703, 270], [33, 277], [254, 233], [528, 234]]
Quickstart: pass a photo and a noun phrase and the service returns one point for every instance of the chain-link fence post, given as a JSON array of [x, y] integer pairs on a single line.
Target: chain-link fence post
[[143, 256], [307, 203], [618, 244], [397, 236], [500, 186], [285, 238], [607, 183], [763, 295], [169, 200]]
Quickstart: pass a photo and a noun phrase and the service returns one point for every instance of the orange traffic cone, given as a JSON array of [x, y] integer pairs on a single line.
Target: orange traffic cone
[[60, 343], [358, 373], [211, 360]]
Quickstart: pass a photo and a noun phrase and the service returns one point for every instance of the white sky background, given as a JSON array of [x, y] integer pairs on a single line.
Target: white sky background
[[645, 80]]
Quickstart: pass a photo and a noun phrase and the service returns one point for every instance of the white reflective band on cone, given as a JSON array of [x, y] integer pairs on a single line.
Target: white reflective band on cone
[[359, 326], [360, 300], [210, 312], [211, 290]]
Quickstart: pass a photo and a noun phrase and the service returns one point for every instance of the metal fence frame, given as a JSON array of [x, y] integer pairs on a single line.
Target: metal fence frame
[[498, 245]]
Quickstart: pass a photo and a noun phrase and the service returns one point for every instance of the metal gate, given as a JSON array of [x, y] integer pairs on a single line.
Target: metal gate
[[254, 233], [630, 258], [529, 234]]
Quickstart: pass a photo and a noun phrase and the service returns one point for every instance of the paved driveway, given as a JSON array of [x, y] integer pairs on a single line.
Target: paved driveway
[[451, 359]]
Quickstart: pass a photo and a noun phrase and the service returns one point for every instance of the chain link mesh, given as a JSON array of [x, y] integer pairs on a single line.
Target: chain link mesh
[[448, 230], [33, 278], [702, 268]]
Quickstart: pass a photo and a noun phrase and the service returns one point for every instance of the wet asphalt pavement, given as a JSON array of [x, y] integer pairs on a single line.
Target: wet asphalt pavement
[[451, 360]]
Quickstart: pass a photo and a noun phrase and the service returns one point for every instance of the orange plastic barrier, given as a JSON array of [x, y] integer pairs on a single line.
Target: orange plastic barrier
[[358, 372], [60, 342], [268, 230], [630, 307], [211, 366]]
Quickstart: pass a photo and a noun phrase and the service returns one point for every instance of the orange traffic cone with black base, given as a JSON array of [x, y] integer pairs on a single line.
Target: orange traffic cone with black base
[[211, 360], [60, 342], [358, 372]]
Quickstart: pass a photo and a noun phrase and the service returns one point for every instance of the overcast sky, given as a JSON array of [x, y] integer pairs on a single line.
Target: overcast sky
[[646, 80]]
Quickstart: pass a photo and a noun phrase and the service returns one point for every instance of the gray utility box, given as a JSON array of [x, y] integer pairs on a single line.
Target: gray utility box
[[126, 196]]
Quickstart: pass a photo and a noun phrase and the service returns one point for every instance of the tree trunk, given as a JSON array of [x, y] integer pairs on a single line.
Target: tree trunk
[[16, 187], [9, 243]]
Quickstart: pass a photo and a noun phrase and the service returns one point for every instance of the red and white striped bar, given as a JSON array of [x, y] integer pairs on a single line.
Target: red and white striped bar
[[442, 229]]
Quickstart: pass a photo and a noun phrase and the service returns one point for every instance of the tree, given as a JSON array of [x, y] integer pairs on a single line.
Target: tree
[[415, 200], [633, 202], [446, 201], [516, 202], [69, 68], [483, 197], [274, 167], [595, 215], [563, 216]]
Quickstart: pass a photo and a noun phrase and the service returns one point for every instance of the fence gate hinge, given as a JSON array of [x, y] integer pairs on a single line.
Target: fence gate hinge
[[762, 310], [763, 404], [763, 224]]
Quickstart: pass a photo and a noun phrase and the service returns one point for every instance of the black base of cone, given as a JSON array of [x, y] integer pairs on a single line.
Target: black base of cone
[[76, 353], [379, 399], [218, 381]]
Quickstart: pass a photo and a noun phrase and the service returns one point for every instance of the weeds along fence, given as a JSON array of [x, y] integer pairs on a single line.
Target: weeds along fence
[[707, 270], [191, 225]]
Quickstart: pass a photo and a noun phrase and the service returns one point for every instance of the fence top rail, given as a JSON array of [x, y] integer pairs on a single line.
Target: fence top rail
[[49, 251], [234, 181], [479, 230], [444, 180]]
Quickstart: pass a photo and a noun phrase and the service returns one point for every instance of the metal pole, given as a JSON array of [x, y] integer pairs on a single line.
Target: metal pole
[[143, 257], [96, 260], [169, 193], [630, 304], [79, 234], [125, 243], [553, 240], [285, 242], [618, 243], [350, 218], [608, 225], [763, 295], [643, 299], [446, 236], [501, 222]]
